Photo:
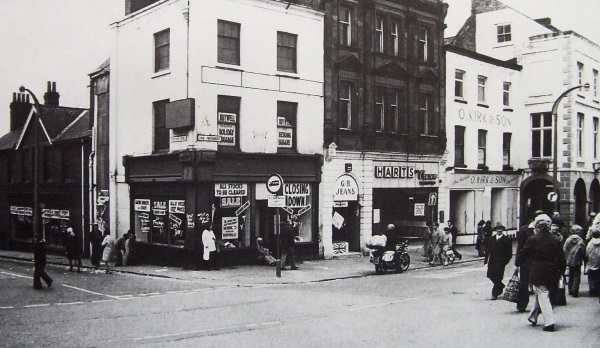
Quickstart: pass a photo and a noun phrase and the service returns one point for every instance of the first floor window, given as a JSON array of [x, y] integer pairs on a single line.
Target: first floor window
[[580, 119], [345, 109], [48, 172], [286, 52], [286, 124], [459, 79], [161, 132], [162, 42], [426, 118], [459, 146], [506, 149], [541, 134], [228, 114], [481, 147], [228, 42], [595, 136], [506, 93], [380, 123], [481, 84], [388, 113], [26, 171]]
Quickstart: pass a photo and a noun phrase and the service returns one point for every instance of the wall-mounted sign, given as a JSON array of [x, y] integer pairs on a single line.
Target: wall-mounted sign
[[345, 189], [274, 183], [231, 189], [141, 205], [394, 172], [340, 204], [426, 178], [482, 117], [178, 138], [483, 180], [212, 138], [226, 128], [419, 209]]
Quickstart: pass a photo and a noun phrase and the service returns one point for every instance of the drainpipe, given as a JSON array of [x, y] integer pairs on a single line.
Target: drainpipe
[[83, 194]]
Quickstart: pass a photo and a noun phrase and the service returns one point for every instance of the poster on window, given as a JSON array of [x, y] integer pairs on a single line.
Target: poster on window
[[141, 205], [227, 134], [285, 135], [177, 220], [229, 227], [419, 209]]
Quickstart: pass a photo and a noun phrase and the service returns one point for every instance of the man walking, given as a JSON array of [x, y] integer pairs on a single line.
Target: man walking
[[499, 253], [454, 233], [525, 233], [39, 264]]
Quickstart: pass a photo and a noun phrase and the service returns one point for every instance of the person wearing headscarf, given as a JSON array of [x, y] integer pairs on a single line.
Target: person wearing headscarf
[[574, 248], [547, 265]]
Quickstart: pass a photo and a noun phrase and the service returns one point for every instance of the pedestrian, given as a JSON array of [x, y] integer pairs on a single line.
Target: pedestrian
[[73, 250], [96, 241], [288, 243], [593, 262], [497, 256], [210, 255], [479, 245], [436, 243], [555, 230], [562, 229], [120, 249], [586, 228], [488, 230], [446, 245], [264, 255], [547, 265], [128, 255], [108, 254], [454, 233], [525, 233], [574, 248], [427, 247], [39, 264]]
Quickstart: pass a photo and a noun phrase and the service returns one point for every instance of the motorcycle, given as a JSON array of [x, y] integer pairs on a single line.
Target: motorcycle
[[385, 260]]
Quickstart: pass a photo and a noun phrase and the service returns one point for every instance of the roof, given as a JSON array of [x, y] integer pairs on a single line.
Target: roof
[[56, 119], [10, 139]]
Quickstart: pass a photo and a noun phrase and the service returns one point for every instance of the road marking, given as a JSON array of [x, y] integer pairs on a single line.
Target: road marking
[[149, 294], [381, 304], [37, 305], [90, 292], [252, 326], [68, 303], [15, 275], [100, 301], [9, 307]]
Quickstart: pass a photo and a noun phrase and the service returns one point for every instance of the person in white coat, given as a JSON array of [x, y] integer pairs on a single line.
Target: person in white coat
[[209, 241]]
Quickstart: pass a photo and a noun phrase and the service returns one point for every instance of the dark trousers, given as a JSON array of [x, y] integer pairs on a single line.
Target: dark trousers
[[574, 280], [498, 287], [77, 263], [213, 260], [523, 300], [288, 255], [456, 253], [594, 281], [40, 272]]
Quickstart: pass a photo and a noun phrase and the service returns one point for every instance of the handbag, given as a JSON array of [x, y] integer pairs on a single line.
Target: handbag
[[561, 296], [511, 292]]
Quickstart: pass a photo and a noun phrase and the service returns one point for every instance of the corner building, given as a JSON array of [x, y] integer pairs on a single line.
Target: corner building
[[207, 100], [384, 120]]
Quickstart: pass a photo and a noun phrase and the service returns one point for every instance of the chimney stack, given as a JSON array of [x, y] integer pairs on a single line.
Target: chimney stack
[[51, 97], [19, 110]]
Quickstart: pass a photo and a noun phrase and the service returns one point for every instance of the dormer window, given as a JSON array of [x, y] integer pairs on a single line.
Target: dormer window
[[504, 33]]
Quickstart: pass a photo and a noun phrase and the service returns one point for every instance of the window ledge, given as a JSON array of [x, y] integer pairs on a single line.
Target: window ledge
[[161, 73], [508, 109], [504, 44], [483, 105], [288, 75], [596, 101], [460, 100], [581, 96], [429, 135], [460, 165], [482, 167], [226, 66]]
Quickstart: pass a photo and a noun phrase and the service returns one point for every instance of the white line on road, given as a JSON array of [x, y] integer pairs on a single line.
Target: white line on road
[[15, 275], [37, 305], [219, 329], [101, 301], [90, 292], [9, 307], [381, 304], [68, 303]]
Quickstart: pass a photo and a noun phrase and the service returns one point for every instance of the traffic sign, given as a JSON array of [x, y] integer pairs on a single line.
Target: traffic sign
[[553, 196], [275, 183]]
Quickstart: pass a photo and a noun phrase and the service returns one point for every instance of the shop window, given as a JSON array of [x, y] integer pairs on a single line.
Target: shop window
[[231, 215], [481, 148], [228, 114], [162, 43], [459, 146], [161, 132], [286, 125], [541, 135], [345, 26], [160, 220], [286, 52], [228, 42]]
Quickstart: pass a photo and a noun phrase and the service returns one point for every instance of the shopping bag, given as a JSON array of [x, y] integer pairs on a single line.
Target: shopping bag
[[561, 296], [511, 292]]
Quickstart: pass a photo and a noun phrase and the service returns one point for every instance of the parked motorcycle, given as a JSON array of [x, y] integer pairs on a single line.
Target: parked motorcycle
[[385, 260]]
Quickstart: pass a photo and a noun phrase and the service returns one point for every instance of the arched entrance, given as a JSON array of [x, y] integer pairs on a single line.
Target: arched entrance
[[580, 195], [595, 196], [346, 215], [534, 196]]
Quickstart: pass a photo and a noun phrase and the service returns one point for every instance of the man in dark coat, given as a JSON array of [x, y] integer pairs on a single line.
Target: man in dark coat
[[96, 240], [525, 233], [497, 256], [73, 249], [454, 233], [547, 265], [39, 264], [120, 249], [288, 243]]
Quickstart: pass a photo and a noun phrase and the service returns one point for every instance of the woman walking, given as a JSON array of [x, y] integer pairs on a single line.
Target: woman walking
[[547, 265], [108, 254]]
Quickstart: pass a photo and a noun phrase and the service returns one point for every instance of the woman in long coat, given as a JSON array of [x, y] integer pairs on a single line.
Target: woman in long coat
[[547, 265], [108, 254]]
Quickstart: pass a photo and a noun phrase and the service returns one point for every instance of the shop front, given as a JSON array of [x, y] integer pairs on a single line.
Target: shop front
[[227, 192]]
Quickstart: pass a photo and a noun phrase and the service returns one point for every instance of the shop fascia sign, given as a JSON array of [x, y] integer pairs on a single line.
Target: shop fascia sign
[[345, 189], [482, 180], [405, 172]]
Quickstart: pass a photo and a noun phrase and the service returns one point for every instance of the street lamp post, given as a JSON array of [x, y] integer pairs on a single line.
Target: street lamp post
[[36, 194], [555, 138]]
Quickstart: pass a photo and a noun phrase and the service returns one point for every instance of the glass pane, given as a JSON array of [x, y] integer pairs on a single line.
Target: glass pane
[[535, 121], [547, 143], [535, 143]]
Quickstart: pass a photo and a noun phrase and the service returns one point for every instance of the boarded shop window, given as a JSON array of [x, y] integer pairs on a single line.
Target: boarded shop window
[[160, 220], [228, 114]]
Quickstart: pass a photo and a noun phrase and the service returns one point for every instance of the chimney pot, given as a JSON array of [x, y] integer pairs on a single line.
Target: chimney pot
[[48, 88]]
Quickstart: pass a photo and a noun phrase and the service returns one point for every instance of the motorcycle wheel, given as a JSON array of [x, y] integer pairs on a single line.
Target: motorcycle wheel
[[403, 262], [379, 269]]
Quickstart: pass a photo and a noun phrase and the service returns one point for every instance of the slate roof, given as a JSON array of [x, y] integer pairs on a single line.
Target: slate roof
[[57, 118], [10, 139]]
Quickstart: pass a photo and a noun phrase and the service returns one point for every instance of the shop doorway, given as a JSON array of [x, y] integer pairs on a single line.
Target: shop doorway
[[595, 196], [346, 227], [580, 202], [534, 196], [462, 211]]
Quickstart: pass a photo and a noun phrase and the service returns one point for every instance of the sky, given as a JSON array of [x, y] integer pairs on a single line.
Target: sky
[[65, 40]]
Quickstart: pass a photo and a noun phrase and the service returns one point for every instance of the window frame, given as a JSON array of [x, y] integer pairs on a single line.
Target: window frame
[[595, 72], [160, 133], [282, 108], [379, 109], [545, 129], [162, 61], [26, 165], [482, 148], [395, 36], [284, 49], [424, 43], [579, 130], [348, 102], [223, 39], [379, 40], [48, 164], [459, 83], [506, 143], [459, 146], [481, 89], [580, 67], [595, 130], [506, 89], [345, 26], [426, 117], [503, 35]]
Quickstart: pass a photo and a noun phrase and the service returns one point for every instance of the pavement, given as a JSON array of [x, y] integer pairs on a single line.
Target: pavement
[[353, 265]]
